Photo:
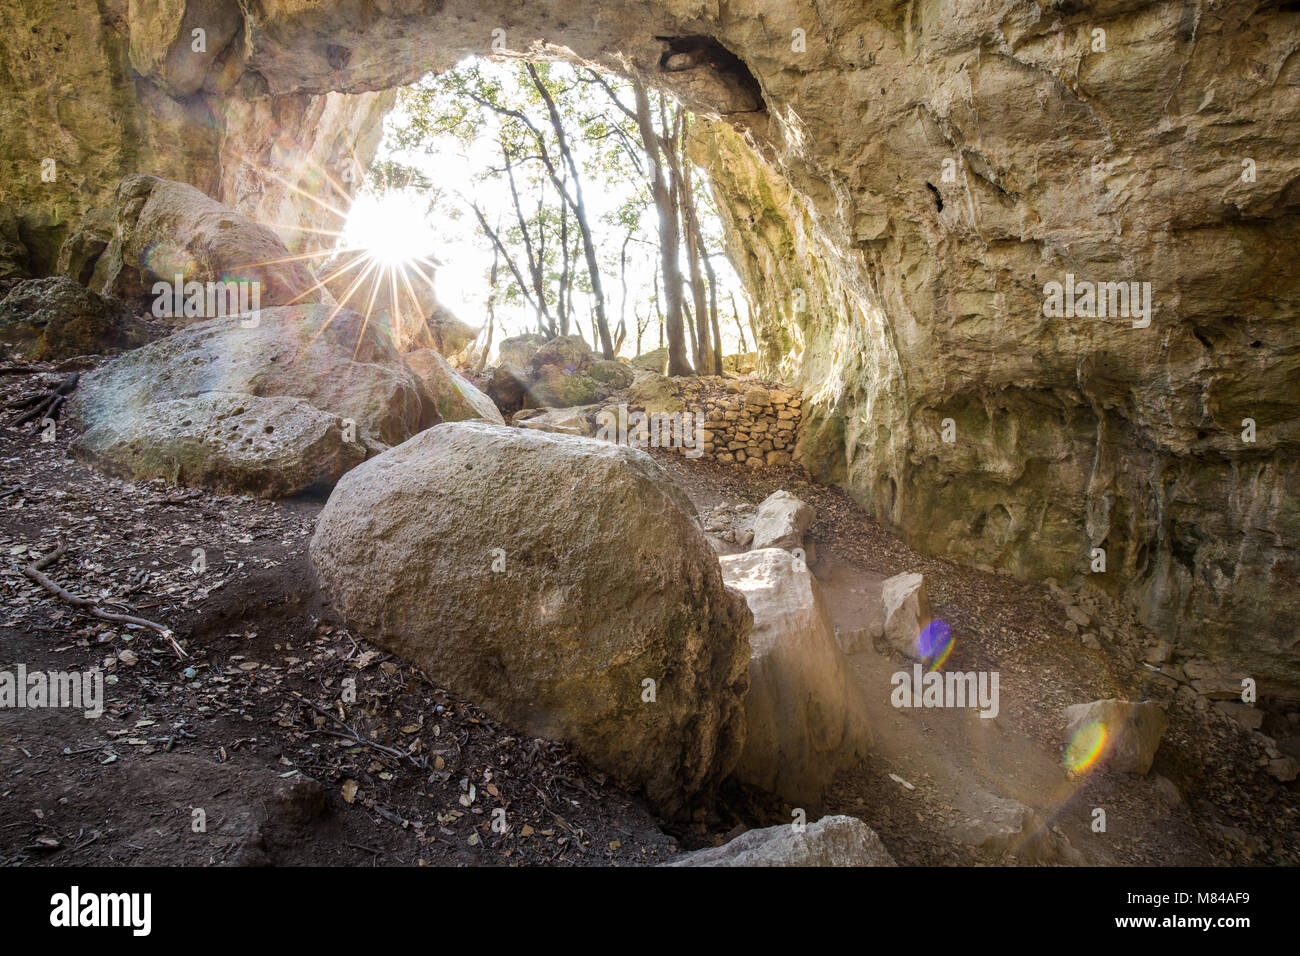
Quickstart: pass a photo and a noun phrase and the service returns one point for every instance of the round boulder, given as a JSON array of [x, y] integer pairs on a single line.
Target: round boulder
[[561, 584]]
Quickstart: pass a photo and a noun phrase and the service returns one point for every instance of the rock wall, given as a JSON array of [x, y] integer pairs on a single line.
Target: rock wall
[[745, 423], [94, 90], [927, 169]]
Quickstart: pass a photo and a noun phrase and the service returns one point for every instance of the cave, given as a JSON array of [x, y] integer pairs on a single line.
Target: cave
[[906, 189]]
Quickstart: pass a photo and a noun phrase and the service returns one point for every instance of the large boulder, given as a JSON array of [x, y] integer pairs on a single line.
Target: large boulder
[[229, 443], [566, 421], [519, 349], [509, 386], [164, 229], [568, 352], [455, 398], [804, 717], [443, 331], [334, 362], [56, 318], [831, 841], [556, 386], [561, 584], [612, 373], [655, 361], [654, 392], [781, 521], [1123, 735], [562, 374]]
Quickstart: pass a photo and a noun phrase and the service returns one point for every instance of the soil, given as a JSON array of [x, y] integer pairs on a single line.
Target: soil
[[256, 749]]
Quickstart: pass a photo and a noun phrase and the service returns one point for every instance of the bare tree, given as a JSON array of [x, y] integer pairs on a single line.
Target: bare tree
[[656, 148]]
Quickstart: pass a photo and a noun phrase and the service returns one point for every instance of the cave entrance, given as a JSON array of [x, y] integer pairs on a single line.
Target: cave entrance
[[540, 200]]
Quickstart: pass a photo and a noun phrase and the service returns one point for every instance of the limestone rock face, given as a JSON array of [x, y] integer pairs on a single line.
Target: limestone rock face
[[781, 521], [804, 720], [295, 351], [919, 178], [56, 318], [229, 443], [547, 578], [455, 398], [164, 229], [13, 254], [1123, 734], [831, 841]]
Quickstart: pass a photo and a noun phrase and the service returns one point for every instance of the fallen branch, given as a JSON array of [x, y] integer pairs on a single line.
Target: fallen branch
[[34, 571]]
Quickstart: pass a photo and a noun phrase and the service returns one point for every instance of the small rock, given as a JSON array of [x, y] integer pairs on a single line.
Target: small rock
[[781, 521], [1127, 733], [831, 841], [907, 609]]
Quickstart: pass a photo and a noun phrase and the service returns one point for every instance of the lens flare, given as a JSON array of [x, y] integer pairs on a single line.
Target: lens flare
[[934, 644], [1083, 752]]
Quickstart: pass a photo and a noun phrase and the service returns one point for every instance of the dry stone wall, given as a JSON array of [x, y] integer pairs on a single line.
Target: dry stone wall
[[742, 422]]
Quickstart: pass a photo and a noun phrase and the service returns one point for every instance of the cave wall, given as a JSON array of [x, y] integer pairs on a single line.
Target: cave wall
[[918, 170]]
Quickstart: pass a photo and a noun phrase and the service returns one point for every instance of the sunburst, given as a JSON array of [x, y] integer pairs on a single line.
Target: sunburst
[[386, 240]]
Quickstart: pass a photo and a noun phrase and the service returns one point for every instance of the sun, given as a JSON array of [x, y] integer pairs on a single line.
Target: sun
[[392, 229]]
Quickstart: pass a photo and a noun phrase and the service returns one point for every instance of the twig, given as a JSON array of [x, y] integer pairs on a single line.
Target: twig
[[91, 607], [350, 735]]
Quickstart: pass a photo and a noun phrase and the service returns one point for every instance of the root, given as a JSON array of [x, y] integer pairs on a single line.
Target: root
[[35, 571]]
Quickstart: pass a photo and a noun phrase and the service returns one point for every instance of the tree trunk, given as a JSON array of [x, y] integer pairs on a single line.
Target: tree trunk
[[579, 212], [704, 361], [669, 236]]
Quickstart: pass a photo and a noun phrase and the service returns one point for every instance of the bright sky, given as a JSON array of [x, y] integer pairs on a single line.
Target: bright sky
[[396, 226]]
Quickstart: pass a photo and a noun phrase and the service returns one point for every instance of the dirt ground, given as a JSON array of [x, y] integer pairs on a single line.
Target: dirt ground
[[256, 749]]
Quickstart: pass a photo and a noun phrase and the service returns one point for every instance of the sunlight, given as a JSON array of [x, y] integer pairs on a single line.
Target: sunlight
[[392, 229]]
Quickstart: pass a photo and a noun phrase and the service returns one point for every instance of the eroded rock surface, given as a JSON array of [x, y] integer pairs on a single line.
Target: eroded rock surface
[[55, 318], [296, 351], [229, 443]]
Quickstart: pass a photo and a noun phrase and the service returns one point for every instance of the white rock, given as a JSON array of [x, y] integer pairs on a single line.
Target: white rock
[[907, 609], [831, 841], [781, 521], [804, 719]]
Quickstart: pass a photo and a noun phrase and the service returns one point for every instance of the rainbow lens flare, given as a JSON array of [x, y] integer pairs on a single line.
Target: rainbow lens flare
[[1083, 752], [934, 643]]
